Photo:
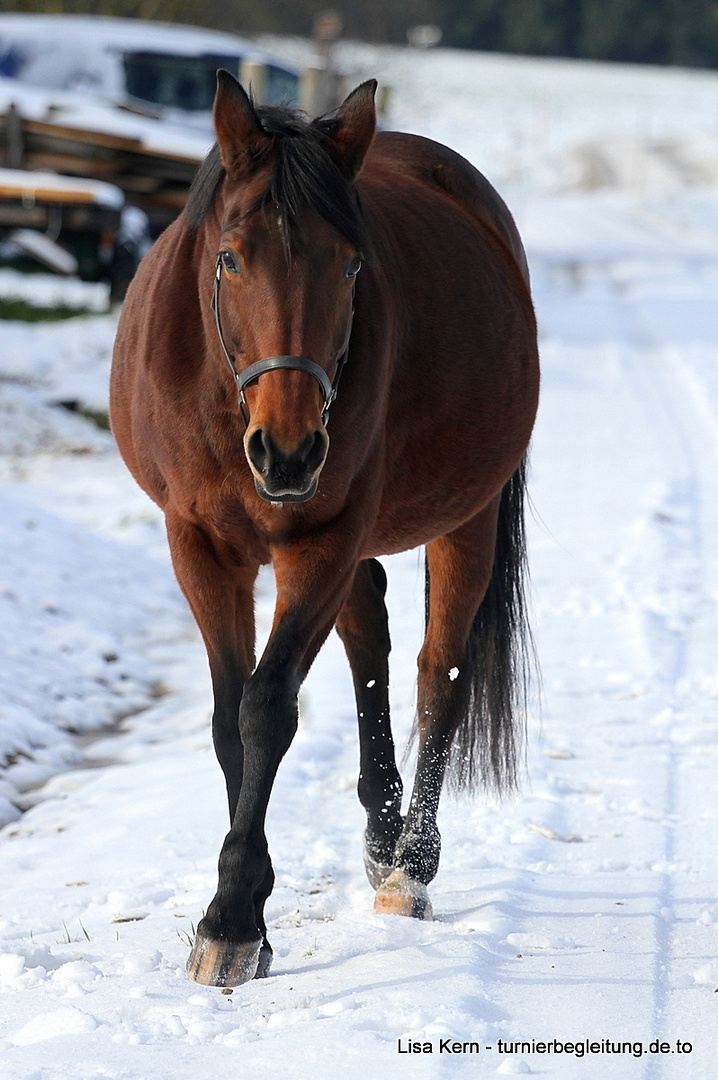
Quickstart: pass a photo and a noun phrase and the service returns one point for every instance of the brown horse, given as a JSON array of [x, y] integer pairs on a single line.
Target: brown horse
[[309, 251]]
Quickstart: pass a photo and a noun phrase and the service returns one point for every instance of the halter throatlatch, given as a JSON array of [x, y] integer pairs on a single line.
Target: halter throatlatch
[[273, 363]]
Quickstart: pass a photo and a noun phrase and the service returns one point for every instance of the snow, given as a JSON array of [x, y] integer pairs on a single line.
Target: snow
[[96, 36], [72, 73], [81, 111], [48, 290], [580, 917]]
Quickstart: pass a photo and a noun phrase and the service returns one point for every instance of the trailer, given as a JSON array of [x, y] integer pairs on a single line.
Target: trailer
[[71, 226]]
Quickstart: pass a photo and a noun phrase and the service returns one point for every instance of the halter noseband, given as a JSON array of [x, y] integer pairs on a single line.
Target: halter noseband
[[273, 363]]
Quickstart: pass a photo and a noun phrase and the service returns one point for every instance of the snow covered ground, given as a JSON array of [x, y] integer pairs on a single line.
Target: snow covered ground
[[580, 919]]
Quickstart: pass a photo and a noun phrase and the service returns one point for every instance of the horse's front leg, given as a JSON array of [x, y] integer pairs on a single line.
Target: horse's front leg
[[220, 594], [219, 591], [230, 945]]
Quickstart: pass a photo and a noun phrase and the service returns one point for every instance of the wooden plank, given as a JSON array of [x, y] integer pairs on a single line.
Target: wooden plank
[[40, 193], [154, 180], [71, 166], [29, 218], [104, 139], [137, 182], [168, 200], [81, 135]]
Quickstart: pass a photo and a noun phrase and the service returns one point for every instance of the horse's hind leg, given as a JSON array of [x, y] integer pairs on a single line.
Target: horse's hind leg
[[460, 567], [363, 627]]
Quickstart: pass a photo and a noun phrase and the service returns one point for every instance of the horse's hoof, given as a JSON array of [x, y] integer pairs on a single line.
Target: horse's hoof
[[402, 895], [220, 963], [376, 871]]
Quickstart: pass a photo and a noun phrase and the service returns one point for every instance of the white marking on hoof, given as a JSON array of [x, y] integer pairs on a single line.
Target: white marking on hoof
[[403, 895]]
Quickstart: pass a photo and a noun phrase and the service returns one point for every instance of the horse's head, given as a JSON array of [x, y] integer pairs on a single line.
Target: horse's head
[[288, 254]]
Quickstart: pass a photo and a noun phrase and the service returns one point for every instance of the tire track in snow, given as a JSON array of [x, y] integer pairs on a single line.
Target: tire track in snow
[[621, 585], [694, 417], [679, 409], [670, 651]]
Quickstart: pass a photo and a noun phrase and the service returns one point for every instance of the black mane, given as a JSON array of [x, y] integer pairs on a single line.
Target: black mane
[[204, 188], [306, 175]]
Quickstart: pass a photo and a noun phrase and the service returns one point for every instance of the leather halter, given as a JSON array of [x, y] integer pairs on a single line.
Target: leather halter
[[272, 363]]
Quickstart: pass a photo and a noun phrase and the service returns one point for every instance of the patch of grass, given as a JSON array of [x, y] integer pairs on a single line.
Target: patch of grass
[[67, 939], [187, 939], [99, 417], [15, 308]]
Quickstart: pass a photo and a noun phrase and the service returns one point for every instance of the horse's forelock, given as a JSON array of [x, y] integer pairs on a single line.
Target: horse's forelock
[[305, 176]]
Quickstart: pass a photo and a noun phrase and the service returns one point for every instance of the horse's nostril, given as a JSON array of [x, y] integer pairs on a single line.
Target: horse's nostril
[[259, 450], [315, 449]]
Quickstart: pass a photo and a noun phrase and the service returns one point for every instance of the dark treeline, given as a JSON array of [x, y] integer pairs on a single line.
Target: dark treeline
[[645, 31]]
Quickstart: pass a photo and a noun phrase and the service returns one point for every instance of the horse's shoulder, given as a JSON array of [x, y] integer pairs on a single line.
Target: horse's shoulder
[[441, 168], [165, 280]]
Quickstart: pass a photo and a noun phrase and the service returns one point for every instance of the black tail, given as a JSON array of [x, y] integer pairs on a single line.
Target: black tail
[[486, 745]]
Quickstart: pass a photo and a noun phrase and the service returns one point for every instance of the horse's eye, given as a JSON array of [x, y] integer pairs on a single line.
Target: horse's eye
[[353, 268], [229, 262]]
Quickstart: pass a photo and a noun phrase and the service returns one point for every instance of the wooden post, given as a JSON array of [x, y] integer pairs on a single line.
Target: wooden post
[[383, 96], [253, 77], [312, 90], [14, 139], [323, 83]]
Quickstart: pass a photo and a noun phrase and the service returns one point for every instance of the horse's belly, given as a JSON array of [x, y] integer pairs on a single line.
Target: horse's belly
[[447, 474], [409, 528], [407, 520]]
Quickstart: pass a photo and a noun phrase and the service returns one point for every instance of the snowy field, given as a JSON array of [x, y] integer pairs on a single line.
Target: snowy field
[[580, 919]]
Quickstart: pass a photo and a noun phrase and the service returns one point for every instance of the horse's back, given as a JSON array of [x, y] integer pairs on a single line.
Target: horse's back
[[442, 169]]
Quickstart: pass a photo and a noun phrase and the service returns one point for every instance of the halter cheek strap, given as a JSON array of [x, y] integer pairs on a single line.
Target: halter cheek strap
[[273, 363]]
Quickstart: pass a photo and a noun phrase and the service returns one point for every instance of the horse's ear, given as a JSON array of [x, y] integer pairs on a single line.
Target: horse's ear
[[239, 135], [353, 126]]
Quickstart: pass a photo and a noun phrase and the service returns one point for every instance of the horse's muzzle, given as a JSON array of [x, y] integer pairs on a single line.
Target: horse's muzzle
[[286, 477], [286, 496]]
